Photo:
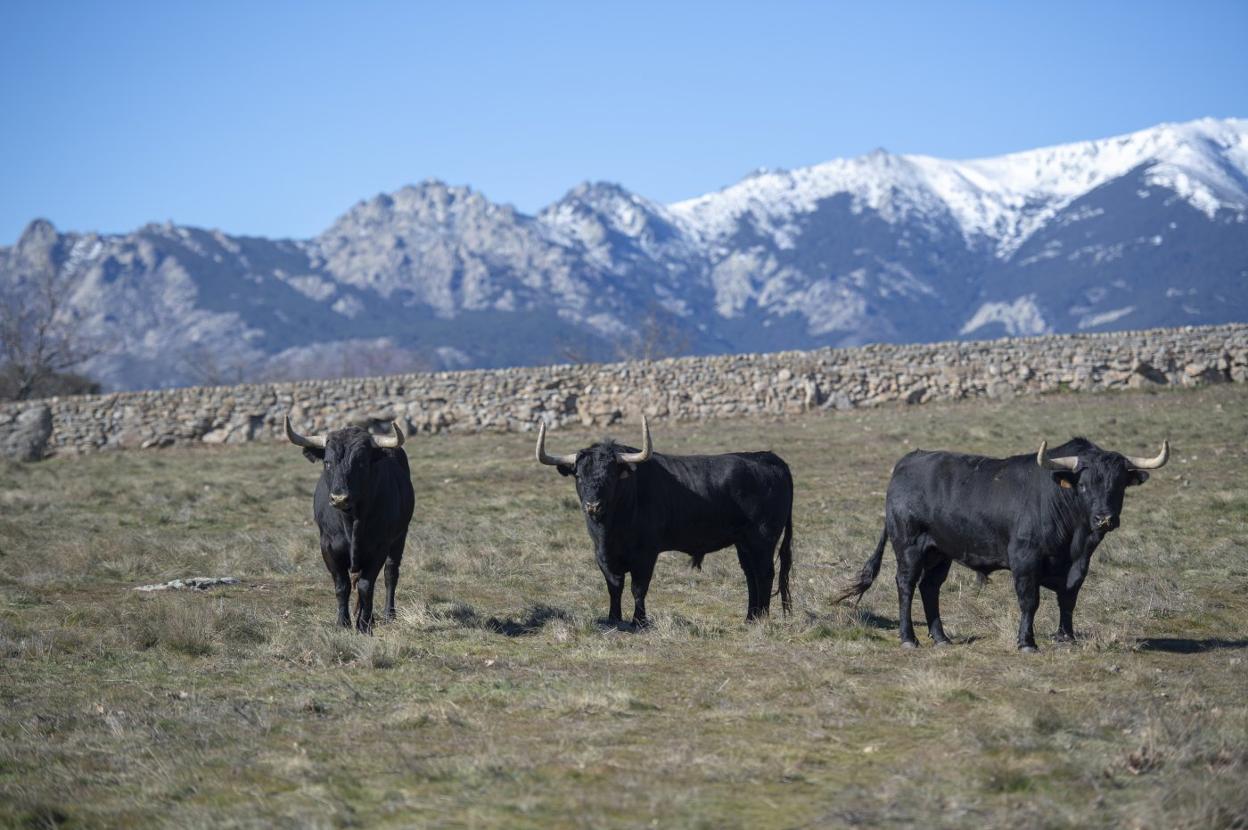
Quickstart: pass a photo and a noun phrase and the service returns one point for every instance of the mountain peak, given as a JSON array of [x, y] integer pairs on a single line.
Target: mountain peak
[[38, 232]]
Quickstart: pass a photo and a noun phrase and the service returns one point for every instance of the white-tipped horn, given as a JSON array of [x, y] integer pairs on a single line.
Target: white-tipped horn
[[1159, 460], [316, 442], [646, 447], [391, 441], [1064, 463], [552, 460]]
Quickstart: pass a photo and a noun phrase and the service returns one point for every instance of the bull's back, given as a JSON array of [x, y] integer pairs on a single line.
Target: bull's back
[[710, 502], [967, 505]]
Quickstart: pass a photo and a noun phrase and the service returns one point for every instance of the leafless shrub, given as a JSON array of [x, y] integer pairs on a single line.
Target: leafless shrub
[[658, 334], [41, 339]]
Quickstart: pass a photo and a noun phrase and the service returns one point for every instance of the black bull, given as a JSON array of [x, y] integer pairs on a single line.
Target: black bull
[[638, 503], [362, 505], [1041, 516]]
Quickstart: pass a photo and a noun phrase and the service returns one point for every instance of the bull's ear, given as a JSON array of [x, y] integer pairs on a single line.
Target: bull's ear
[[566, 470], [1136, 477], [314, 454], [1065, 479]]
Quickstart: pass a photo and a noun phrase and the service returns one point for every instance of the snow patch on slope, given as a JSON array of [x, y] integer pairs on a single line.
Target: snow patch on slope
[[1101, 318], [1002, 200], [1020, 318]]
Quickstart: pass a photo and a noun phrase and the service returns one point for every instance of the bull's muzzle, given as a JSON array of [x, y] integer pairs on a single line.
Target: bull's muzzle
[[593, 508], [1104, 522], [339, 500]]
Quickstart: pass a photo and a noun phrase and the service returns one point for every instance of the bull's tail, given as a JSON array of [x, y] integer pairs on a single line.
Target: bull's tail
[[786, 564], [869, 571]]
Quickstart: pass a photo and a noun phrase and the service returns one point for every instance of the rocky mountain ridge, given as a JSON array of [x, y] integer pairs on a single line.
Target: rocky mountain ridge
[[1148, 229]]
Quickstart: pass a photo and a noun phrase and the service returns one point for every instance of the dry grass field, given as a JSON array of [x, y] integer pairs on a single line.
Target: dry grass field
[[499, 700]]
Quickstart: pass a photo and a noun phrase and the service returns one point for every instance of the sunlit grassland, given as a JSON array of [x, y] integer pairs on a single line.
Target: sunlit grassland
[[499, 700]]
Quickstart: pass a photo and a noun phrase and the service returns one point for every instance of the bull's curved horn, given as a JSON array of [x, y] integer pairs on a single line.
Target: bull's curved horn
[[552, 460], [646, 447], [1159, 460], [1064, 463], [391, 441], [316, 442]]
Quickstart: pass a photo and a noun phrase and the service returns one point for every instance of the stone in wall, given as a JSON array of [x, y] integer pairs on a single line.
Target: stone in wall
[[692, 388], [24, 433]]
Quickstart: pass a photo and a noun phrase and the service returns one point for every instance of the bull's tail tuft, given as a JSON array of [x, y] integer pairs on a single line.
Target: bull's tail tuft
[[870, 570], [695, 561], [786, 564]]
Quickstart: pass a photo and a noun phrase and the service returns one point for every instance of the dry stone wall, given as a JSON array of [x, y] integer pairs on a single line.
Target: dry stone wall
[[693, 388]]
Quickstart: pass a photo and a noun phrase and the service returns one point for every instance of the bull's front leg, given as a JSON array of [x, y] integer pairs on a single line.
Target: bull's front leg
[[342, 591], [907, 576], [1027, 587], [337, 567], [1066, 598], [615, 589], [364, 600], [613, 571], [642, 572], [1068, 593]]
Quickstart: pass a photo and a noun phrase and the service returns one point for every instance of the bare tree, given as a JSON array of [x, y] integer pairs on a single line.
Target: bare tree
[[658, 335], [573, 349], [41, 339], [207, 367]]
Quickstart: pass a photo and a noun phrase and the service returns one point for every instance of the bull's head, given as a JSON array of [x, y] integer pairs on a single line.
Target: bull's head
[[598, 469], [1098, 478], [348, 455]]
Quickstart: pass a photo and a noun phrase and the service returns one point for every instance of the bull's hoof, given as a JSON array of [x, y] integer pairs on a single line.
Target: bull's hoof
[[942, 642], [1028, 649], [909, 644], [641, 624], [1063, 637]]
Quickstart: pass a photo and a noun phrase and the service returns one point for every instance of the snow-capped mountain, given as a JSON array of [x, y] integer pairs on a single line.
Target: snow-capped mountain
[[1144, 229]]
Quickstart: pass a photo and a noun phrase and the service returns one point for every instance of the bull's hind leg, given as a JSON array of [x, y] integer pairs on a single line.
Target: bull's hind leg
[[909, 567], [756, 553], [753, 608], [764, 576], [929, 589]]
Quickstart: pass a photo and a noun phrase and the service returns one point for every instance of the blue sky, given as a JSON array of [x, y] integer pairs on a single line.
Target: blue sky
[[273, 118]]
